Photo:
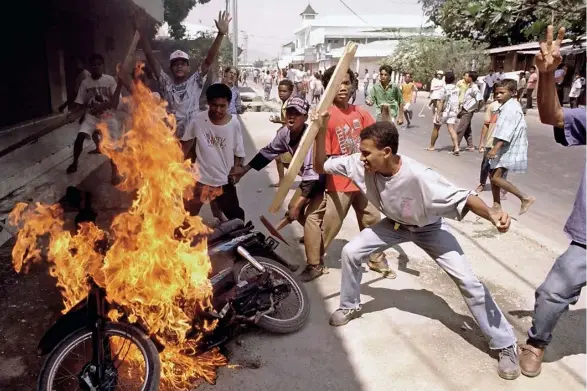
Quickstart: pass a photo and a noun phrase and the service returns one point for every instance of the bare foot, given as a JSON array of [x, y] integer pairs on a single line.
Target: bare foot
[[430, 149], [471, 149], [480, 188], [526, 204], [72, 168], [496, 206]]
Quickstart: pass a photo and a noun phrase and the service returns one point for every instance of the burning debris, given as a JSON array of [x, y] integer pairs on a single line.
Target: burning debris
[[160, 281]]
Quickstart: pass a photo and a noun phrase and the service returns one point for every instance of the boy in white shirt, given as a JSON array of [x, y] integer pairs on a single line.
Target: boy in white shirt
[[218, 139], [99, 95]]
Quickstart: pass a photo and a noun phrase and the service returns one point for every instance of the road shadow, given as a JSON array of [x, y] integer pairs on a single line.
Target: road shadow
[[566, 339]]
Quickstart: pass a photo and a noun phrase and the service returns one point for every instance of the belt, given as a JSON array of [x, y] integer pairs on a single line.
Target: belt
[[397, 225], [582, 245]]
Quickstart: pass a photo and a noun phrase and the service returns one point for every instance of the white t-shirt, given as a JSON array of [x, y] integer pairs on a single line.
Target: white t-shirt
[[490, 80], [366, 78], [216, 147], [183, 98], [576, 88], [375, 77], [436, 88], [291, 75], [416, 195], [93, 92]]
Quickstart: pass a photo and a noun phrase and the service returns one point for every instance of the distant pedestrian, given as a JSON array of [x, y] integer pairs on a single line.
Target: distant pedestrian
[[267, 85], [522, 84], [531, 86], [510, 146], [285, 91], [489, 80], [575, 91], [375, 77], [235, 104], [318, 89], [564, 282], [366, 81], [436, 86], [409, 93], [472, 101], [446, 112], [355, 87], [559, 78]]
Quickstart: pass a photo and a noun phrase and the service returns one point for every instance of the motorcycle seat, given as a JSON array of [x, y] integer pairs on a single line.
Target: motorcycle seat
[[225, 228]]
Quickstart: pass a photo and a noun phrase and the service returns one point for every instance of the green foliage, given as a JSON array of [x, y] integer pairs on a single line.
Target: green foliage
[[505, 22], [175, 13], [422, 56]]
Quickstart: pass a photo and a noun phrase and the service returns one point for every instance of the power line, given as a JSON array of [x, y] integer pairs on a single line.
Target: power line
[[367, 23]]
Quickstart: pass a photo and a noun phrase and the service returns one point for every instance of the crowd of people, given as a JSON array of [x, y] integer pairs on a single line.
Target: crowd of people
[[356, 163]]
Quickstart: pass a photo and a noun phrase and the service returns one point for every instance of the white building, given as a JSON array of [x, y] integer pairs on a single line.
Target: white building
[[319, 42]]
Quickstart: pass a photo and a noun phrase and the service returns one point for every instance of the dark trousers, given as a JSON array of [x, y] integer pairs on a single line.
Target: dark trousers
[[486, 169], [574, 102], [464, 129], [560, 92], [225, 198], [487, 92], [529, 93]]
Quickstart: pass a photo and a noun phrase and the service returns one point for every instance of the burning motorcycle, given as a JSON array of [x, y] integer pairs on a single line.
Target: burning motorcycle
[[251, 285]]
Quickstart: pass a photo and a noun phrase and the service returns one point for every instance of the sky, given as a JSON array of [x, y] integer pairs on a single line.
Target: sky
[[271, 23]]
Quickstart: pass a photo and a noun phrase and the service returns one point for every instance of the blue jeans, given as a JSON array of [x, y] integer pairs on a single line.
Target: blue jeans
[[440, 244], [561, 288]]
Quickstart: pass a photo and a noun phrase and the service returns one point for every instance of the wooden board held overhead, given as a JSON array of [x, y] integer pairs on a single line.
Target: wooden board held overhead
[[308, 137]]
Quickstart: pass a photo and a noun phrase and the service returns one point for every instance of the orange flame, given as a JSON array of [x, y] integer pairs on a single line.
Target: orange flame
[[159, 280]]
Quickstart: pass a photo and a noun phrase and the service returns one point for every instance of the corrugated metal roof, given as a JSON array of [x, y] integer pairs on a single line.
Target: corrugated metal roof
[[529, 46]]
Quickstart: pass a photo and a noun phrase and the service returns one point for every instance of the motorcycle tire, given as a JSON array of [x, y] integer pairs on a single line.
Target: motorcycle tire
[[140, 339], [280, 326]]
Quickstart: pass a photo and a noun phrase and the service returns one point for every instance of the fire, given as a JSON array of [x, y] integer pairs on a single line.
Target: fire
[[159, 280]]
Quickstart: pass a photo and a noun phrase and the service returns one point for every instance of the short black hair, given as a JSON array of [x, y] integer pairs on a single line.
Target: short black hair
[[532, 67], [449, 77], [218, 90], [286, 82], [384, 134], [330, 71], [510, 84], [473, 75], [386, 68], [94, 57]]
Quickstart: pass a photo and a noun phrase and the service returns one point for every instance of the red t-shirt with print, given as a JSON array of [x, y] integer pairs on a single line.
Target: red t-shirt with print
[[343, 138]]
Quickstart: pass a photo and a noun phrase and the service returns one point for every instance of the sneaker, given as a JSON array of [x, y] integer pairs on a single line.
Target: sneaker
[[342, 316], [311, 272], [508, 366], [531, 359]]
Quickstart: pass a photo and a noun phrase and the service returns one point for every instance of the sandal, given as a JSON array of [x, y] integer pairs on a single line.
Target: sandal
[[454, 153], [481, 149], [430, 149], [471, 149]]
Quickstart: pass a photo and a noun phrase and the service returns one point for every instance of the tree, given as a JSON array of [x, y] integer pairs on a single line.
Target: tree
[[505, 22], [422, 56], [175, 13]]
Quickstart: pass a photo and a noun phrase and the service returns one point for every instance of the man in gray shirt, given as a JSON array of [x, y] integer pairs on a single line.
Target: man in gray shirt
[[415, 200]]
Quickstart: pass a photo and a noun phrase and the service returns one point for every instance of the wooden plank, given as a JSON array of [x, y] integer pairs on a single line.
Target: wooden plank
[[308, 137]]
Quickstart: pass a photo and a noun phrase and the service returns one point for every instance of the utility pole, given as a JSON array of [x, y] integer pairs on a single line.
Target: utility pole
[[246, 49], [235, 33]]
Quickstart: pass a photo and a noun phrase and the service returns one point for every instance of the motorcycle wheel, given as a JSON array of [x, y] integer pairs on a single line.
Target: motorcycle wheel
[[48, 380], [280, 322]]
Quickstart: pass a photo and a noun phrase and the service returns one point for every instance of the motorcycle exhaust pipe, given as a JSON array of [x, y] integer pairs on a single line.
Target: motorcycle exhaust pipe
[[247, 255]]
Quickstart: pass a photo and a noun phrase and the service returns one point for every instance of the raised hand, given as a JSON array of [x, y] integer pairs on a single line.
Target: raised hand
[[223, 22], [321, 119], [549, 57]]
